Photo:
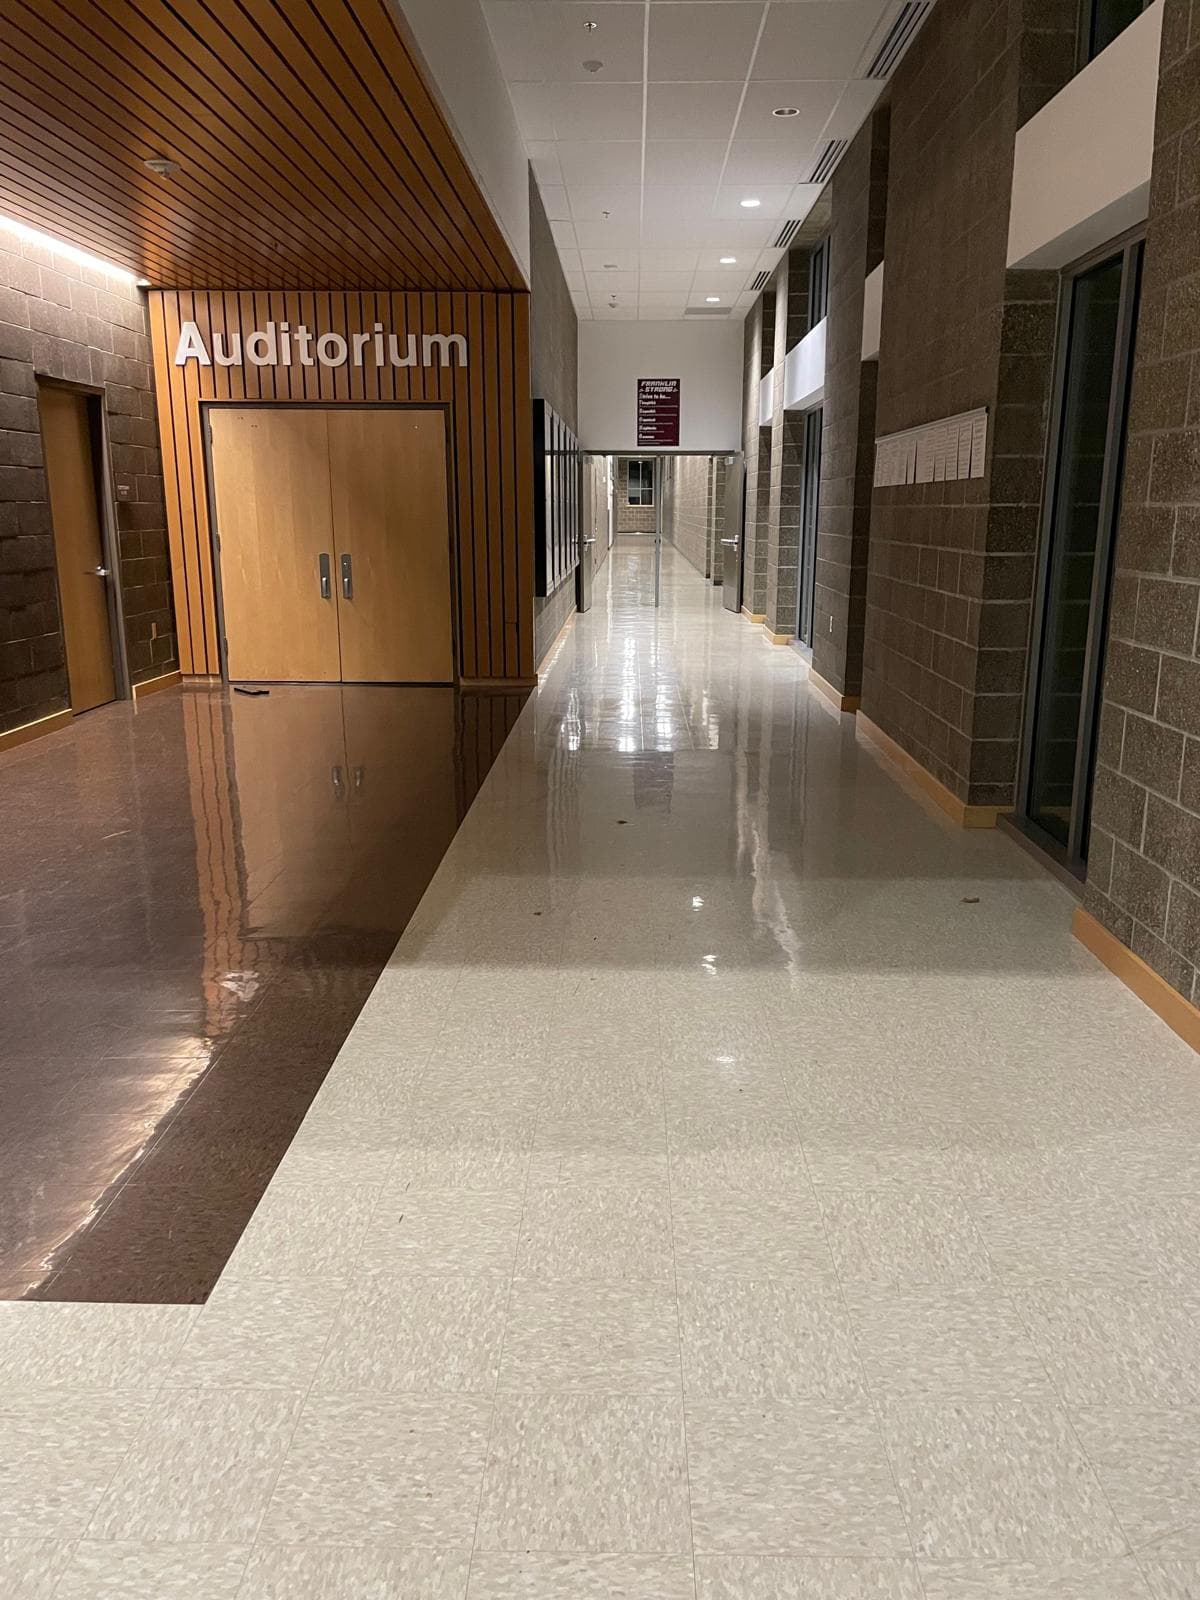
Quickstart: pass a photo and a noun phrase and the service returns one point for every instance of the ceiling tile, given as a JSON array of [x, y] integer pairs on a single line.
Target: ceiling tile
[[616, 161], [549, 44], [815, 103], [684, 205], [564, 234], [605, 313], [555, 202], [772, 197], [543, 158], [685, 161], [681, 111], [598, 260], [755, 161], [817, 39], [535, 113], [661, 232], [662, 297], [590, 205], [606, 235], [603, 284], [669, 260], [666, 282], [595, 110], [709, 42], [730, 234]]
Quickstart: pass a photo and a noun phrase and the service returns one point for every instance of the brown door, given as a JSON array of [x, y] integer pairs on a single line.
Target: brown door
[[270, 470], [392, 533], [78, 546]]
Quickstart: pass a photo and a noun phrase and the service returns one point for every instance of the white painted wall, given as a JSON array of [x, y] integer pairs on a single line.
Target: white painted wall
[[1082, 169], [872, 313], [804, 370], [706, 357], [455, 46]]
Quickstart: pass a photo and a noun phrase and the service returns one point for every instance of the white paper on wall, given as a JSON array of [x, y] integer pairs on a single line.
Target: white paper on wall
[[937, 452]]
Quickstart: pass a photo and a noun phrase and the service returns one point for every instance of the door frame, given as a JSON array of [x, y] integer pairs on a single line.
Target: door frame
[[810, 517], [214, 532], [110, 543], [1129, 246]]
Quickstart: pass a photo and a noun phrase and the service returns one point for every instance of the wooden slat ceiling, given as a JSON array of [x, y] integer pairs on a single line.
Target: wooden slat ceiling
[[310, 152]]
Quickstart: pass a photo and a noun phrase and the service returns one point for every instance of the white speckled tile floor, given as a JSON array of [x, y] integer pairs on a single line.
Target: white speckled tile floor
[[739, 1186]]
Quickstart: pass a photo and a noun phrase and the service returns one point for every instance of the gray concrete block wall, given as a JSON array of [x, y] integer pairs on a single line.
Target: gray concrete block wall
[[1144, 856]]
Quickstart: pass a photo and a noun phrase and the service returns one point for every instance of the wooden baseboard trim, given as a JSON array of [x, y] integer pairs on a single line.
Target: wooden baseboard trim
[[753, 616], [957, 810], [35, 730], [1180, 1015], [779, 638], [155, 685], [843, 702], [498, 685]]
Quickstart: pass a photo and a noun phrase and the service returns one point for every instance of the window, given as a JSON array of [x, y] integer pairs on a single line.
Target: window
[[1101, 21], [818, 284], [641, 483], [1075, 573]]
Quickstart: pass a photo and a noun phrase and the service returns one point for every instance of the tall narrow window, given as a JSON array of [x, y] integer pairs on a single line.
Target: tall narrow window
[[640, 491], [1083, 496], [818, 284], [809, 513]]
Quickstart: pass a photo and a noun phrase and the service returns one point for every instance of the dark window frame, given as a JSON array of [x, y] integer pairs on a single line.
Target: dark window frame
[[818, 284], [1073, 855], [645, 486]]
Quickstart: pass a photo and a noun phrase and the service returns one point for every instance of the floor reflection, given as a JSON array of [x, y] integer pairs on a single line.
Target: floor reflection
[[195, 899]]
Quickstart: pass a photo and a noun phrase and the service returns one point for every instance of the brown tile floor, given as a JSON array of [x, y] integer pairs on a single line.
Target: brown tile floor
[[196, 897]]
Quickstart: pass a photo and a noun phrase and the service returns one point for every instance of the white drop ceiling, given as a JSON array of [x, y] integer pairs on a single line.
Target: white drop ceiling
[[643, 162]]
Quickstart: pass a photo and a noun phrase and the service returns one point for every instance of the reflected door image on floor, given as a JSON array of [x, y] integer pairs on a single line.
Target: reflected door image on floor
[[333, 543]]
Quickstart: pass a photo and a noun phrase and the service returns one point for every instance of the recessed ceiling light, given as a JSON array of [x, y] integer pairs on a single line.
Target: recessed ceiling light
[[751, 204], [590, 27], [786, 111], [712, 299], [729, 261]]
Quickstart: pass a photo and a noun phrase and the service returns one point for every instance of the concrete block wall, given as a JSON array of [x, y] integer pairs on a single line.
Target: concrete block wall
[[859, 211], [1144, 856], [951, 565], [687, 512], [61, 319]]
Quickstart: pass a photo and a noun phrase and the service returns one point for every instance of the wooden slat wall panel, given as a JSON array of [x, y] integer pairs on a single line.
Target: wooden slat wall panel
[[310, 150], [490, 444]]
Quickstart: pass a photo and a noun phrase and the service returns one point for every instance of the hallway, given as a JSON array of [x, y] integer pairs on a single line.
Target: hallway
[[739, 1185]]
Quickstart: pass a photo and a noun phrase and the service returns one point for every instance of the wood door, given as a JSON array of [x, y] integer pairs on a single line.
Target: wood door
[[78, 546], [270, 470], [391, 522]]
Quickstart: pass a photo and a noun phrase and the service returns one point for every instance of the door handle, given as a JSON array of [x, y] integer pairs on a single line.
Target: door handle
[[347, 578], [100, 572], [589, 541], [339, 788], [729, 541], [326, 584]]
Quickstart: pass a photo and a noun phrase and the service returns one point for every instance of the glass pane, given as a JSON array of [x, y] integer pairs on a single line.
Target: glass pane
[[1074, 529], [1109, 18]]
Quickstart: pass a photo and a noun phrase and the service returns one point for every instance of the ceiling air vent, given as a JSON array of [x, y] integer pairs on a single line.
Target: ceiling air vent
[[785, 236], [706, 311], [897, 39], [760, 280], [827, 160]]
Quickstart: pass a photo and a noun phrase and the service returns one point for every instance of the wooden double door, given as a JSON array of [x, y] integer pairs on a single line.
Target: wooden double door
[[333, 538]]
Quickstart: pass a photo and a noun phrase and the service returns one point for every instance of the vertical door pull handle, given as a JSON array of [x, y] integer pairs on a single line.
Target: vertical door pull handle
[[339, 788], [326, 583], [347, 578]]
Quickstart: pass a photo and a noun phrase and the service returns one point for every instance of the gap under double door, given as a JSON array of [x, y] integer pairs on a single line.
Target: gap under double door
[[333, 537]]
